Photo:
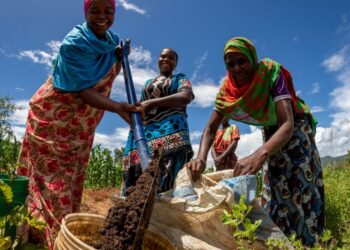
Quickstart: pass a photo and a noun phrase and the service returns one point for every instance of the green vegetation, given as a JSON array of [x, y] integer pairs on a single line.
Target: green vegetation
[[337, 192], [15, 217], [243, 227], [14, 220], [325, 242], [9, 146], [209, 170], [244, 232], [104, 170]]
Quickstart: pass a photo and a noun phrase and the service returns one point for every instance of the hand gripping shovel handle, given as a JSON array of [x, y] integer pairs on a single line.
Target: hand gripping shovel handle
[[136, 120]]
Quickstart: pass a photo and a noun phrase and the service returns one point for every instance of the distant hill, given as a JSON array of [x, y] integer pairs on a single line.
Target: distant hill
[[332, 160]]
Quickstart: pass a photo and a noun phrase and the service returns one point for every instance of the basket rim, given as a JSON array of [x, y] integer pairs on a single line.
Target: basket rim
[[70, 235]]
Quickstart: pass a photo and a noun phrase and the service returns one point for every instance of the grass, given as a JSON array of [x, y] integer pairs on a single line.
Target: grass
[[337, 195]]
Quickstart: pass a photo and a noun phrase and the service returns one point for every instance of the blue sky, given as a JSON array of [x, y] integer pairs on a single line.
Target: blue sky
[[311, 38]]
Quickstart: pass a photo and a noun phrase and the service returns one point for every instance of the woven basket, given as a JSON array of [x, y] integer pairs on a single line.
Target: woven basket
[[80, 231]]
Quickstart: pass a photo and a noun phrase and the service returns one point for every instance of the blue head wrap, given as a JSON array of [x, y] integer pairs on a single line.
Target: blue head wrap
[[83, 59]]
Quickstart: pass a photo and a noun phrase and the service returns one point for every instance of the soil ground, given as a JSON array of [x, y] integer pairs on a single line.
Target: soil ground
[[97, 201]]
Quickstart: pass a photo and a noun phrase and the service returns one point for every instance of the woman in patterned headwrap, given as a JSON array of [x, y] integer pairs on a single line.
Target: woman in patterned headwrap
[[64, 113], [262, 94], [225, 144], [164, 99]]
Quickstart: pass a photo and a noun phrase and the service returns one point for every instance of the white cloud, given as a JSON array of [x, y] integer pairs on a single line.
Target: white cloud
[[249, 143], [18, 131], [115, 140], [3, 52], [19, 118], [317, 109], [336, 61], [341, 95], [129, 6], [205, 92], [141, 70], [7, 54], [198, 66], [195, 135], [140, 56], [315, 88], [344, 28], [335, 140], [40, 56]]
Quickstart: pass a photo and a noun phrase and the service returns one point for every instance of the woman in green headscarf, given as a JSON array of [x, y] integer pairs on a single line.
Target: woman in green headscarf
[[262, 94]]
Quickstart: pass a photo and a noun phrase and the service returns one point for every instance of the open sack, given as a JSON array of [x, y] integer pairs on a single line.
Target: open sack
[[189, 215]]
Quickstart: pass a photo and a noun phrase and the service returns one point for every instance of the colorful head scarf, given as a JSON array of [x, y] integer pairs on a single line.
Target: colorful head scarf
[[244, 46], [87, 4], [83, 59], [252, 102]]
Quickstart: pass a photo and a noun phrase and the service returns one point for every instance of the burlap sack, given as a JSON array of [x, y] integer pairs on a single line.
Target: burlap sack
[[189, 216]]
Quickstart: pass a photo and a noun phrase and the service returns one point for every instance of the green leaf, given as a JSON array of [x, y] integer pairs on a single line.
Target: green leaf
[[6, 191], [5, 243]]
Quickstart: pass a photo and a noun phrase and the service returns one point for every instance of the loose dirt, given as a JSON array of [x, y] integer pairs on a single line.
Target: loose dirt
[[122, 229], [98, 201]]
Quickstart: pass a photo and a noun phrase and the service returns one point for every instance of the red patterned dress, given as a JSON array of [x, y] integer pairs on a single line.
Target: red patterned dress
[[55, 150], [223, 139]]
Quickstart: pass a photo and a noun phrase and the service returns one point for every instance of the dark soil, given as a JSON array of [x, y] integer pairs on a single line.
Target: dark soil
[[127, 221]]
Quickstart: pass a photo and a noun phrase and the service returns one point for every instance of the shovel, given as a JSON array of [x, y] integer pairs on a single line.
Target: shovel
[[137, 128], [142, 148]]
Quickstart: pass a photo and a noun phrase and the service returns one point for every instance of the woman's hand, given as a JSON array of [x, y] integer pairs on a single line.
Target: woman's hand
[[180, 99], [249, 165], [147, 105], [197, 167], [124, 110], [119, 52]]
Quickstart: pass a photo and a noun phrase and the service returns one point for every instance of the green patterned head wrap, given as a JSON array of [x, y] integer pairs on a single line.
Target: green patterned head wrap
[[244, 46]]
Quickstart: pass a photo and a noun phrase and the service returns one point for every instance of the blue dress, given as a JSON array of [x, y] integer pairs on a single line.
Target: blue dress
[[165, 127]]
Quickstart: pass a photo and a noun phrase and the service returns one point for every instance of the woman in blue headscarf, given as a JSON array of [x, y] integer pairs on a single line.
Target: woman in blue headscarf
[[64, 113]]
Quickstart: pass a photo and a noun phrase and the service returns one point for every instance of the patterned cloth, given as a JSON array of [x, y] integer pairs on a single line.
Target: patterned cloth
[[165, 127], [293, 191], [55, 151], [252, 102], [293, 186], [223, 139], [83, 59]]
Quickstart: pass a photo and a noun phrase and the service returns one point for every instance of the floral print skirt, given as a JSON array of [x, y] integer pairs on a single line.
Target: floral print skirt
[[293, 191], [55, 152]]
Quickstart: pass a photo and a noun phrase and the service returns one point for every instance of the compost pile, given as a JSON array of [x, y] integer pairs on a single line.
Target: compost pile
[[124, 228]]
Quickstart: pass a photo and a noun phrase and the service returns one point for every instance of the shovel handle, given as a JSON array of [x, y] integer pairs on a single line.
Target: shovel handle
[[136, 120]]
